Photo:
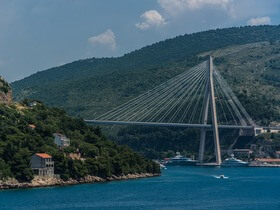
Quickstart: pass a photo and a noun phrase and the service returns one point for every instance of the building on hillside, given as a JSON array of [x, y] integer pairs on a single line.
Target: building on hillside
[[261, 131], [274, 131], [61, 140], [277, 153], [32, 104], [265, 161], [76, 155], [242, 153], [42, 165]]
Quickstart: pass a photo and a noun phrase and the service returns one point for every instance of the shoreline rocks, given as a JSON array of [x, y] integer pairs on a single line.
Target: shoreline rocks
[[49, 182]]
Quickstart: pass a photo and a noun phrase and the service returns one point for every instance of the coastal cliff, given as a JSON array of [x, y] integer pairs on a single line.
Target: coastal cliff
[[47, 182]]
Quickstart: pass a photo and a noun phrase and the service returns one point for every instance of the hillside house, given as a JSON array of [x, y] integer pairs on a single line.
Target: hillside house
[[265, 161], [42, 165], [261, 131], [61, 140], [242, 153], [76, 155], [32, 104]]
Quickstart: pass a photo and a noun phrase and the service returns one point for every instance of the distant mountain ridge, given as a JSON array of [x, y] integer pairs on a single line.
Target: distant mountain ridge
[[89, 87]]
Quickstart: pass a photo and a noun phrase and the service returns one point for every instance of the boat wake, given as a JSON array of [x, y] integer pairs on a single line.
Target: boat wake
[[221, 177]]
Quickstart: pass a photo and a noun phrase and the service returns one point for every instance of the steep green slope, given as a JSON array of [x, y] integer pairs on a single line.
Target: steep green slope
[[89, 87], [253, 73], [18, 141]]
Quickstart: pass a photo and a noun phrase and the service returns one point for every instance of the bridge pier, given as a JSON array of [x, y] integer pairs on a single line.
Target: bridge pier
[[209, 98], [201, 145]]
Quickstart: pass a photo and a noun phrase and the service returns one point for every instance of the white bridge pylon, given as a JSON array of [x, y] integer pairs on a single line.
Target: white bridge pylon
[[209, 98], [196, 98]]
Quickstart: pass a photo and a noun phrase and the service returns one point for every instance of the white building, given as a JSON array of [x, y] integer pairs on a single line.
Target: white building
[[261, 131], [33, 103], [61, 140]]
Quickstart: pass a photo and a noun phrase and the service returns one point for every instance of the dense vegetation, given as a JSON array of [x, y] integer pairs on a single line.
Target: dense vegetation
[[165, 142], [248, 58], [18, 142]]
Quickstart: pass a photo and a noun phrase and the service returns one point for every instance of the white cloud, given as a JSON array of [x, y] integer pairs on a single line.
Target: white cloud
[[107, 38], [259, 21], [176, 6], [150, 19]]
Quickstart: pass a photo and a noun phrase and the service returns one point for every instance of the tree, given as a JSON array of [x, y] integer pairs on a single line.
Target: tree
[[21, 165], [5, 171]]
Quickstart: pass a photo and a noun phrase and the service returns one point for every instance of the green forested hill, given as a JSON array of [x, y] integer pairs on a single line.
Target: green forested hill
[[18, 141], [253, 73], [248, 58], [89, 87]]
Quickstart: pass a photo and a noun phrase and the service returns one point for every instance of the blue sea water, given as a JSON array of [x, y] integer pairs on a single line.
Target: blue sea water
[[177, 188]]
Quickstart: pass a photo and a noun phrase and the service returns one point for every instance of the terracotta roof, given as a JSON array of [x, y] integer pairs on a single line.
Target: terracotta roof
[[43, 155], [268, 160], [32, 126]]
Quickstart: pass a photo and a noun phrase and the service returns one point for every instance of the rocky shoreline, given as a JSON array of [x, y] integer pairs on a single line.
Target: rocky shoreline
[[48, 182]]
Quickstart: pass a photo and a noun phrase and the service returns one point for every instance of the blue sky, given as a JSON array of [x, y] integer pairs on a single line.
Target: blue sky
[[40, 34]]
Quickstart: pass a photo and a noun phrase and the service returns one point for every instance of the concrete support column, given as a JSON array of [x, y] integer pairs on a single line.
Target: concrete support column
[[209, 98], [214, 114], [204, 120]]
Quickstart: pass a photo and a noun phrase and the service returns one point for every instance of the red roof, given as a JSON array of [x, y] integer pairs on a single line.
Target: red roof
[[268, 160], [32, 126], [43, 155]]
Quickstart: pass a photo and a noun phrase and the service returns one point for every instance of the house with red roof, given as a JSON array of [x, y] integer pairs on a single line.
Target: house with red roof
[[42, 165]]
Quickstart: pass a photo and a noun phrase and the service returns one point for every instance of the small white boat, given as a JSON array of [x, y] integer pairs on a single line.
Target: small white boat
[[222, 176]]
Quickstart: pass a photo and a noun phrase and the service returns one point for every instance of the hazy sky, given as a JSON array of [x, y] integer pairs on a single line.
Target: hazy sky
[[39, 34]]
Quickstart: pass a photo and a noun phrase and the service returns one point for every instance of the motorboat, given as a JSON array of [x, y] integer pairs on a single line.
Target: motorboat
[[180, 161], [234, 162]]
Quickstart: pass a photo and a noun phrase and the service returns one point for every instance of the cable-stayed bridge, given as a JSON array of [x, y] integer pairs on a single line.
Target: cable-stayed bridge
[[196, 98]]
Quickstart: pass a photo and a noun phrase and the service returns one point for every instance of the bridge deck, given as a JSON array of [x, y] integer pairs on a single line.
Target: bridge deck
[[100, 122]]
